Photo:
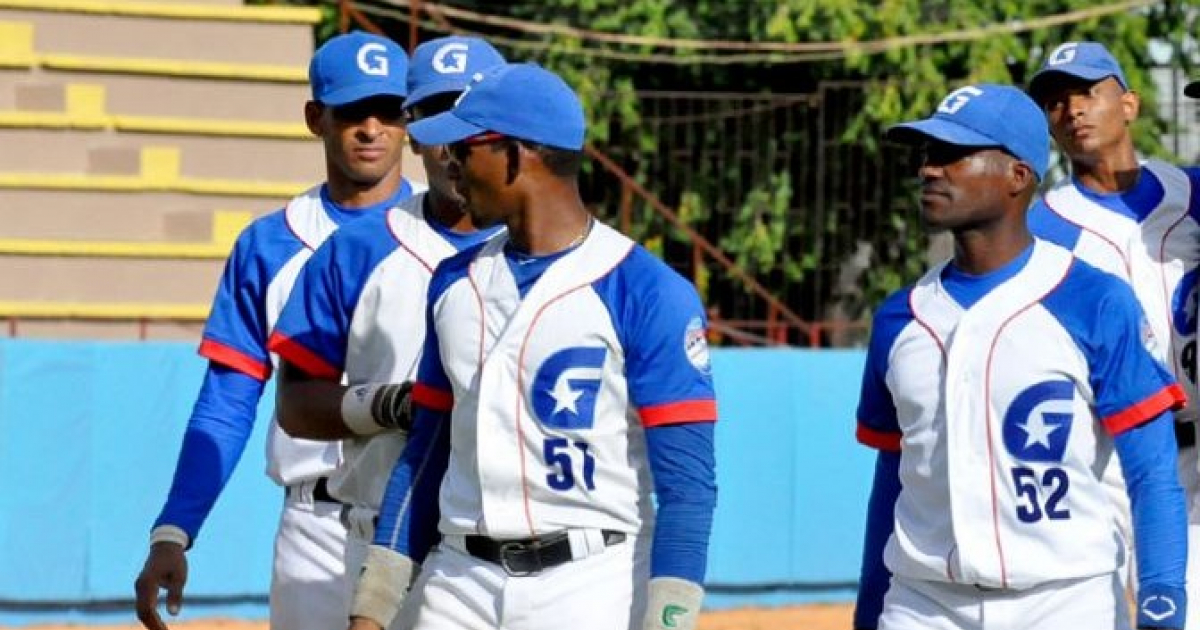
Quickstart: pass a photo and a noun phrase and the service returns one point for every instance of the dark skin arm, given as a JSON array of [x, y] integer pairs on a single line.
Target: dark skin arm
[[309, 407]]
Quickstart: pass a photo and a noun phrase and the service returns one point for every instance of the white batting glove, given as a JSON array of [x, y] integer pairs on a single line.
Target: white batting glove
[[382, 585], [673, 604]]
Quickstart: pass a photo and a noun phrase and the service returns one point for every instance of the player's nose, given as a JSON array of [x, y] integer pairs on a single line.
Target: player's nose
[[370, 128]]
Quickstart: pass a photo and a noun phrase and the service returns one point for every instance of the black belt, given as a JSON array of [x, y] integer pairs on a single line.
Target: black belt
[[320, 492], [528, 556], [1185, 434]]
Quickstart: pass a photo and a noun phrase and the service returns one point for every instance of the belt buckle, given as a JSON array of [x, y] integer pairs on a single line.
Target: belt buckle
[[511, 548]]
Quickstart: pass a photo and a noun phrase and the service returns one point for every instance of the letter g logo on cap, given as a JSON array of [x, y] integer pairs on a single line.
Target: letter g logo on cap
[[372, 59]]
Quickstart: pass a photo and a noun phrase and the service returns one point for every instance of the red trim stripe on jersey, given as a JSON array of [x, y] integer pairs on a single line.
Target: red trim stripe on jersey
[[233, 359], [1170, 397], [882, 440], [295, 353], [431, 398], [681, 412]]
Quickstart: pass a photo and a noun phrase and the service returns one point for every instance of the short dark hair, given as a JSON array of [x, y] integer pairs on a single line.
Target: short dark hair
[[432, 105], [563, 163]]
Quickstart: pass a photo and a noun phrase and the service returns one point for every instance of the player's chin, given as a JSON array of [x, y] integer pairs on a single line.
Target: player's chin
[[935, 220], [481, 219]]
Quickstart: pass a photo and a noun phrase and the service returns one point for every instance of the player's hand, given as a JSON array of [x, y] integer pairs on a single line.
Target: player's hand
[[166, 567], [674, 604], [362, 623]]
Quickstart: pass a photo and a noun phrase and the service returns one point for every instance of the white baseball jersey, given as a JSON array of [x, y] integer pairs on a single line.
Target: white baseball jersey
[[551, 391], [1148, 236], [359, 311], [1004, 415], [256, 284]]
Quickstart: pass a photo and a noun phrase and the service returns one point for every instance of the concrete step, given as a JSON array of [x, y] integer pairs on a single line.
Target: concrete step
[[84, 280], [173, 96], [113, 216], [56, 328], [165, 38], [105, 152]]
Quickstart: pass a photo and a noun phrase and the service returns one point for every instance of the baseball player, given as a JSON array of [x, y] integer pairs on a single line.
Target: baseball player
[[358, 88], [358, 309], [1137, 220], [565, 378], [996, 397]]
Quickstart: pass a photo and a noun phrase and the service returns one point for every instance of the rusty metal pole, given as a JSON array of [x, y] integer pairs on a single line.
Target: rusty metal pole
[[626, 211], [414, 14]]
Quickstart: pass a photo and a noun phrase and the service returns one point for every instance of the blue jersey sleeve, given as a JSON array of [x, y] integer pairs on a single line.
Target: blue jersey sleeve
[[683, 464], [1160, 522], [313, 330], [1130, 386], [663, 329], [874, 577], [408, 515], [221, 422], [878, 426], [235, 334]]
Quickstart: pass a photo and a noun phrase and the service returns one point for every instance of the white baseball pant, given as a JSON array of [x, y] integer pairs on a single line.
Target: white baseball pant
[[1096, 603], [308, 583], [457, 591]]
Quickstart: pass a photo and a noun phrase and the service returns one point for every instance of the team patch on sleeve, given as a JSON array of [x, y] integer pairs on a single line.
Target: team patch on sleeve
[[695, 345]]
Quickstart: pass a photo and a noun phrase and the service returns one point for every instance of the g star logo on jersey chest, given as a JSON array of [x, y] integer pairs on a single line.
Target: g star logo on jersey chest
[[1038, 422], [565, 387]]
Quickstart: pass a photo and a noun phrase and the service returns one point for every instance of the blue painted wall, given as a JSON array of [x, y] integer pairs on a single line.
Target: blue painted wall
[[89, 433]]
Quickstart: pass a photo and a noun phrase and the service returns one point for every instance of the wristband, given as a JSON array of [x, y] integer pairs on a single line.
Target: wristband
[[382, 585], [1161, 606], [673, 604], [356, 409], [171, 534]]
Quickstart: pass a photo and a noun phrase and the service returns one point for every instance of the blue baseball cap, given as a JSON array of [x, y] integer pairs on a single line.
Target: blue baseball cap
[[1192, 89], [446, 64], [985, 115], [1083, 60], [521, 100], [356, 66]]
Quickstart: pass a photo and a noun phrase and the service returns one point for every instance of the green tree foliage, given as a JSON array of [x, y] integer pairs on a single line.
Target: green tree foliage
[[794, 240]]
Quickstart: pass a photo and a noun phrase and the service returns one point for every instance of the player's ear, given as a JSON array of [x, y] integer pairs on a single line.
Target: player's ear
[[1020, 177], [312, 117], [1131, 104], [513, 150]]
